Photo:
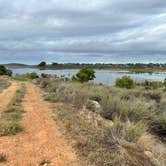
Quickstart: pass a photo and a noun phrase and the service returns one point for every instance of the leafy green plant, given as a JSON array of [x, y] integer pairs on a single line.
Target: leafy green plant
[[52, 98], [42, 64], [134, 131], [11, 129], [5, 71], [125, 82], [84, 75]]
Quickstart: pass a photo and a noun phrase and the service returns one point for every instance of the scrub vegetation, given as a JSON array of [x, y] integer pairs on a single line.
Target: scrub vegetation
[[112, 126], [5, 71], [116, 125], [25, 77]]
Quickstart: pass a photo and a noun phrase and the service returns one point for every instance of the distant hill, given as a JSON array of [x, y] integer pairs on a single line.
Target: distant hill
[[16, 65]]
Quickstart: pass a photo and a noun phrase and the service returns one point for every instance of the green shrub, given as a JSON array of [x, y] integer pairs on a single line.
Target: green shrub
[[125, 82], [52, 98], [5, 71], [42, 64], [158, 125], [44, 75], [32, 75], [84, 75], [10, 129], [152, 84], [153, 95], [26, 77], [134, 131]]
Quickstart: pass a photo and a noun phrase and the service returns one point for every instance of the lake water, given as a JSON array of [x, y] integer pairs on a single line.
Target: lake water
[[102, 76]]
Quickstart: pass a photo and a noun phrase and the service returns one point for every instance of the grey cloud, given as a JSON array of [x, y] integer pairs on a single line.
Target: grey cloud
[[82, 27]]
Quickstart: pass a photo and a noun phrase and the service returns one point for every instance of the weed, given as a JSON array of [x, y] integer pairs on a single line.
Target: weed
[[2, 158], [44, 163], [52, 98]]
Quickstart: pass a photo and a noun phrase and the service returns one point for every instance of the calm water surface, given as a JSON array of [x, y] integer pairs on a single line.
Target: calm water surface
[[102, 76]]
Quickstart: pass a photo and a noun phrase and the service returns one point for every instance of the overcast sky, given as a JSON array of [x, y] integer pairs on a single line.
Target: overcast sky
[[110, 31]]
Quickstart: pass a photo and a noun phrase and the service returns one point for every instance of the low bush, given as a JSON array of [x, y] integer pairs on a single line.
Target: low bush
[[152, 84], [84, 75], [5, 71], [26, 77], [10, 129], [52, 98], [125, 82], [135, 131], [158, 126]]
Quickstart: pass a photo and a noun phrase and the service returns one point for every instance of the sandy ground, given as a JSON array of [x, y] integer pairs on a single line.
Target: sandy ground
[[41, 139]]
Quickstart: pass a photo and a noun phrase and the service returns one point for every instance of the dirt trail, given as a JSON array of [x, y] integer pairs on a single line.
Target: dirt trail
[[41, 140], [7, 95]]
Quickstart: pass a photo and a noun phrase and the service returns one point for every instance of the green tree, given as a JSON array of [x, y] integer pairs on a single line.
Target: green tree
[[42, 64], [85, 75], [5, 71], [125, 82]]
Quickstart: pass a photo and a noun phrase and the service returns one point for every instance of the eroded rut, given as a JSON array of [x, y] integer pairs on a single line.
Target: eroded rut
[[41, 141]]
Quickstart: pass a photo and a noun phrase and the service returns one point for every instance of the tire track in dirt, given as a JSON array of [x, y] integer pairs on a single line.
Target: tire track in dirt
[[41, 140]]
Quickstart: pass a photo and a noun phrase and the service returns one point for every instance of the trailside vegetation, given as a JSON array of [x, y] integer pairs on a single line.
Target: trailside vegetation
[[11, 115], [111, 125]]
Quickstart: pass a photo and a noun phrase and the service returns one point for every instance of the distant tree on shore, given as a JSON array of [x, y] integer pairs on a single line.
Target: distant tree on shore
[[42, 64], [85, 75]]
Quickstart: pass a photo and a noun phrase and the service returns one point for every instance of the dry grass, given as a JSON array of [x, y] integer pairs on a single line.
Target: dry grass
[[4, 83], [100, 142], [9, 120]]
